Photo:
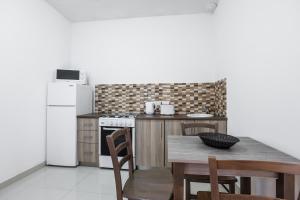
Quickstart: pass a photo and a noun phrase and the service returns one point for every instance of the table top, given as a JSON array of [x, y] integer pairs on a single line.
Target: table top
[[191, 149]]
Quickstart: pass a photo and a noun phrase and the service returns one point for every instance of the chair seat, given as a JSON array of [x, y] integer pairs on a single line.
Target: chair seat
[[154, 184], [206, 179]]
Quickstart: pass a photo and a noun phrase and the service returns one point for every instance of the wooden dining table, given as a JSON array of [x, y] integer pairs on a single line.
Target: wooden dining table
[[189, 155]]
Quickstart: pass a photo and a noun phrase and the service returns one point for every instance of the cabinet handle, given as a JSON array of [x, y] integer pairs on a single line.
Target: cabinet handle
[[87, 136], [88, 152]]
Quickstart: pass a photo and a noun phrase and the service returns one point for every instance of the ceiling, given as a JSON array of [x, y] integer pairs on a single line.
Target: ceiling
[[89, 10]]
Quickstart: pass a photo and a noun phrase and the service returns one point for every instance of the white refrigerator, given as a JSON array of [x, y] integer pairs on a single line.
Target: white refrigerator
[[64, 102]]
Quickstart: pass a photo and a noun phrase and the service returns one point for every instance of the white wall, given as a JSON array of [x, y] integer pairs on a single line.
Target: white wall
[[258, 48], [254, 43], [145, 50], [34, 40]]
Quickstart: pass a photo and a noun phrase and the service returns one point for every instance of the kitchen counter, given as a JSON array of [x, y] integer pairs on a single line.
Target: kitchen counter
[[90, 115], [157, 117], [175, 117]]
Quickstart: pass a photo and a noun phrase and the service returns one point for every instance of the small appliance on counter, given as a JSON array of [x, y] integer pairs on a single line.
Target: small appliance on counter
[[167, 109], [149, 107]]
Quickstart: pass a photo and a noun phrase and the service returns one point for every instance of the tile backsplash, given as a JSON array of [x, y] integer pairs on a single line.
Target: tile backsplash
[[186, 97]]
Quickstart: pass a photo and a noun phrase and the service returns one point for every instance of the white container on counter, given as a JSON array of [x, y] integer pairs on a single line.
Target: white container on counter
[[167, 109], [149, 108]]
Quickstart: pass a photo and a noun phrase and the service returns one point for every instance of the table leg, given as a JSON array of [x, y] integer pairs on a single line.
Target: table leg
[[285, 186], [178, 175], [245, 185]]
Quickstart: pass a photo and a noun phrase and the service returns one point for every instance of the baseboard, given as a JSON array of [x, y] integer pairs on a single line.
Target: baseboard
[[21, 175]]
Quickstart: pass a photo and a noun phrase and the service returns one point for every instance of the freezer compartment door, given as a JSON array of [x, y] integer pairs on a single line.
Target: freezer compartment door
[[61, 94], [61, 136]]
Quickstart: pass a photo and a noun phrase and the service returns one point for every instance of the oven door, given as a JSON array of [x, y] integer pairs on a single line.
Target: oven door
[[105, 131]]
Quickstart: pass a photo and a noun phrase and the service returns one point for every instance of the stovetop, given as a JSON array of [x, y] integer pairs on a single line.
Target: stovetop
[[118, 119], [118, 115]]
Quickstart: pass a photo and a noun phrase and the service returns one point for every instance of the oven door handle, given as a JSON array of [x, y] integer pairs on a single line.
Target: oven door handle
[[111, 129]]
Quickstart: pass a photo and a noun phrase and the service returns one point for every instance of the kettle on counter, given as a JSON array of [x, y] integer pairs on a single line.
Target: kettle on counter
[[149, 108]]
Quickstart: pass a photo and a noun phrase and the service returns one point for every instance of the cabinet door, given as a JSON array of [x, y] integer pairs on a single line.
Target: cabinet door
[[88, 137], [172, 127], [150, 143], [87, 124], [87, 153]]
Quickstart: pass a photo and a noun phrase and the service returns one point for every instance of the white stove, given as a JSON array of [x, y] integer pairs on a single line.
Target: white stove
[[108, 123], [117, 120]]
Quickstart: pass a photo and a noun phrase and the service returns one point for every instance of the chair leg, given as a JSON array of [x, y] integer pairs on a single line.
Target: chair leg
[[232, 188], [187, 189]]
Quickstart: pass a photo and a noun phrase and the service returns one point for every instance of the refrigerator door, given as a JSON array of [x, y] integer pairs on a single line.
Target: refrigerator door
[[61, 94], [61, 136]]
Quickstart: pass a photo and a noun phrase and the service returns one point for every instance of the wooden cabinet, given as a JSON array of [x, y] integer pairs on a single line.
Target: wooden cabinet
[[88, 137], [172, 127], [88, 153], [152, 139], [87, 124], [150, 143], [88, 141]]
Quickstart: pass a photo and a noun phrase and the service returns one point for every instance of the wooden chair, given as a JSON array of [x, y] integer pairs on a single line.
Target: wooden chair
[[154, 184], [192, 129], [215, 165]]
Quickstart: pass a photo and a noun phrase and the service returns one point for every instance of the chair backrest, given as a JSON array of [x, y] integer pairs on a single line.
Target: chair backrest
[[192, 129], [241, 165], [114, 150]]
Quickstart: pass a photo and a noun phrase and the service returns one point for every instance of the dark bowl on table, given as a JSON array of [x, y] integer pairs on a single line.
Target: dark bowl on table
[[218, 140]]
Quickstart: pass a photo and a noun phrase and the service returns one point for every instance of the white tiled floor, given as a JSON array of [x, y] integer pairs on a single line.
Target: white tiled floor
[[57, 183]]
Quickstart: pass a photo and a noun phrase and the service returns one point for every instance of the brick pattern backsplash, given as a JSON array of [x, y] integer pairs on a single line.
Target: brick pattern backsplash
[[186, 97], [220, 98]]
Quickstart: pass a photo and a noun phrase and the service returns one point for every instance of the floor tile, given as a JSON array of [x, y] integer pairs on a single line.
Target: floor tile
[[100, 182], [59, 183], [59, 178], [37, 194], [96, 183], [75, 195]]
